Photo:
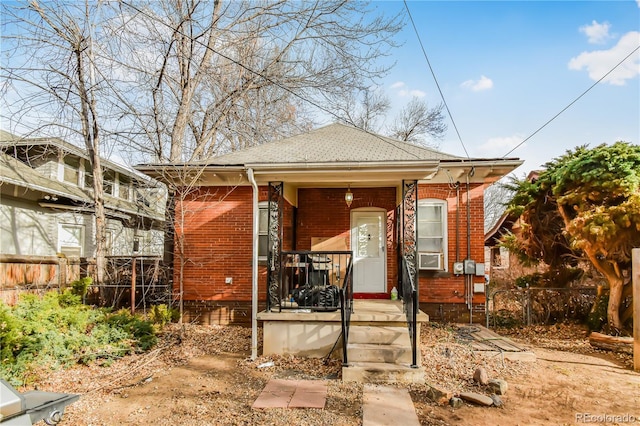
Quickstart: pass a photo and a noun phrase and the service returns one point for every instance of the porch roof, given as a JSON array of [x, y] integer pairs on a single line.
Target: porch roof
[[334, 155]]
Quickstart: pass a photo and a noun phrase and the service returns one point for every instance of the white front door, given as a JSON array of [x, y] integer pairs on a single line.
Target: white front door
[[368, 242]]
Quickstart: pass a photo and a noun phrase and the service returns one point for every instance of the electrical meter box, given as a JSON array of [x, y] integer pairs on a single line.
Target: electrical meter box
[[458, 268], [469, 267]]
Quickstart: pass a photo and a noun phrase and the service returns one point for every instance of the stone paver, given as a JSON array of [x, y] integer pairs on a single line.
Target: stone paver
[[280, 393], [388, 406]]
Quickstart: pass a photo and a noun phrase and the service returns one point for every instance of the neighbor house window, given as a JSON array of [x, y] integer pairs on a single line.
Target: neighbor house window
[[71, 174], [123, 189], [263, 230], [432, 234], [108, 242], [70, 240], [71, 170], [499, 257]]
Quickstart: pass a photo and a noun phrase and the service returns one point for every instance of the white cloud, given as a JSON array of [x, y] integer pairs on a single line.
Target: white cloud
[[404, 91], [638, 1], [497, 147], [599, 62], [478, 85], [597, 33]]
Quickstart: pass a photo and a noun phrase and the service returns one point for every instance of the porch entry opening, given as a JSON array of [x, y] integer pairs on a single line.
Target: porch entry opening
[[368, 242]]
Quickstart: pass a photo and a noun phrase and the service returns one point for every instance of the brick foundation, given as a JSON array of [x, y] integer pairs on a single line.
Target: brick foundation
[[453, 312], [219, 312]]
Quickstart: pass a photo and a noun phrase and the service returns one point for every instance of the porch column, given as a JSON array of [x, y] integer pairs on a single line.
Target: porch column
[[274, 263], [409, 231]]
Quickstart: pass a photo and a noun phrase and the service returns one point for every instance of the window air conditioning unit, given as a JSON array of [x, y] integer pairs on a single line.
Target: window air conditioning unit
[[431, 261]]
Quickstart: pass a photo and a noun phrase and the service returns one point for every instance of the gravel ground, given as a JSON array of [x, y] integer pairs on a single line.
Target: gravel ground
[[204, 376]]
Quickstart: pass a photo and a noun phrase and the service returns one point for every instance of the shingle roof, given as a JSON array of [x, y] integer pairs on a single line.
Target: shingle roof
[[17, 173], [335, 143]]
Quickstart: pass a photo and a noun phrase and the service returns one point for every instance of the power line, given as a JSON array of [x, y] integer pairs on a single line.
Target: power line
[[572, 102], [424, 52], [281, 86]]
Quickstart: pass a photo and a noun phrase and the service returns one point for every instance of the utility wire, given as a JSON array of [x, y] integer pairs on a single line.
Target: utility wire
[[572, 102], [281, 86], [424, 52]]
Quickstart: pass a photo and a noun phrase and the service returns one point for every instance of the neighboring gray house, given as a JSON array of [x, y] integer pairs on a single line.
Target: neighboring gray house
[[46, 210]]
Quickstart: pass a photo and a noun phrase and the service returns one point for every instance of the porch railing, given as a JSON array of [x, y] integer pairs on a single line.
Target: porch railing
[[346, 307], [311, 280], [409, 296]]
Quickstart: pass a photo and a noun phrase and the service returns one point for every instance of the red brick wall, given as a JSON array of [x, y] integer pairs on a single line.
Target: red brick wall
[[322, 212], [216, 226], [446, 287]]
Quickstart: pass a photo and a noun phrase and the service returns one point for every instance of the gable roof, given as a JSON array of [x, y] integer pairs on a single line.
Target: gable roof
[[335, 143]]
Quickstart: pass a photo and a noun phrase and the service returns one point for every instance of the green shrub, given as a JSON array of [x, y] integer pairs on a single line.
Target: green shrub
[[79, 287], [56, 330], [163, 314], [142, 331]]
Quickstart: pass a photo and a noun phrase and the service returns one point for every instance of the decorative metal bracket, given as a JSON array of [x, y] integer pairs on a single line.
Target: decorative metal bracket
[[274, 244], [409, 226]]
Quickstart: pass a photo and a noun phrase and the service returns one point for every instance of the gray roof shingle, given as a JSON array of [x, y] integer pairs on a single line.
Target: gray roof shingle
[[335, 143]]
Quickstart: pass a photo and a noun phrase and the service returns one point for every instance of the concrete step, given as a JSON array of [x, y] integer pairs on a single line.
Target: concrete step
[[379, 335], [375, 352], [380, 372]]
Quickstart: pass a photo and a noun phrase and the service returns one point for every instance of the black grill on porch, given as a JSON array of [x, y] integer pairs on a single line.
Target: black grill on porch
[[309, 280]]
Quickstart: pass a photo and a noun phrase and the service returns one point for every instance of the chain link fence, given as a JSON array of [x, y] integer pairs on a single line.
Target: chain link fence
[[538, 305]]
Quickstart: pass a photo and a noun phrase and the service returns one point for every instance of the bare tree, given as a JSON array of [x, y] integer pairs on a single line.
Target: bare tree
[[363, 109], [496, 198], [419, 124], [205, 78], [50, 82]]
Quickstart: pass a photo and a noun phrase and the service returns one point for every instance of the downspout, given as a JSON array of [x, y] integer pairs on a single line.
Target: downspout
[[254, 268], [457, 221], [468, 277]]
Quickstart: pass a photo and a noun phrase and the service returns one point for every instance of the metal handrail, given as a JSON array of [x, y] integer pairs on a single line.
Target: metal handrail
[[346, 308], [411, 309]]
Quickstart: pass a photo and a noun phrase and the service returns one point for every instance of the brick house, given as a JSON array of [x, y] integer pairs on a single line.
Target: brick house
[[334, 189]]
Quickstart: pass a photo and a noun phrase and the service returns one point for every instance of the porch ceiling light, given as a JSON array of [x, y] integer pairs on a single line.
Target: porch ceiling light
[[348, 196]]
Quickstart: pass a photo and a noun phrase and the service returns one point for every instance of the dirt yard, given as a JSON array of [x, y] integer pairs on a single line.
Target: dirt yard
[[207, 378]]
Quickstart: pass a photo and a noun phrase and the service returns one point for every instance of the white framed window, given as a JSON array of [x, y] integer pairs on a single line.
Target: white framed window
[[432, 234], [71, 240], [263, 230]]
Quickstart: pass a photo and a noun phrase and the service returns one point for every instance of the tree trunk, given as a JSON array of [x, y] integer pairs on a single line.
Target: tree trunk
[[610, 270], [91, 138], [615, 300]]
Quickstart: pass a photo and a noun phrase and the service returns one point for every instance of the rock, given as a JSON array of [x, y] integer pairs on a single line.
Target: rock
[[455, 402], [498, 386], [477, 398], [481, 376], [440, 396], [497, 401]]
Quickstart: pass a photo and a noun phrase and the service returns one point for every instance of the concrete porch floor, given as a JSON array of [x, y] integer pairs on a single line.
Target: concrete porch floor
[[364, 310], [303, 332]]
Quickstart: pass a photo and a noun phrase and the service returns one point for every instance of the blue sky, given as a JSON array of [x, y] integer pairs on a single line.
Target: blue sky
[[506, 68]]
